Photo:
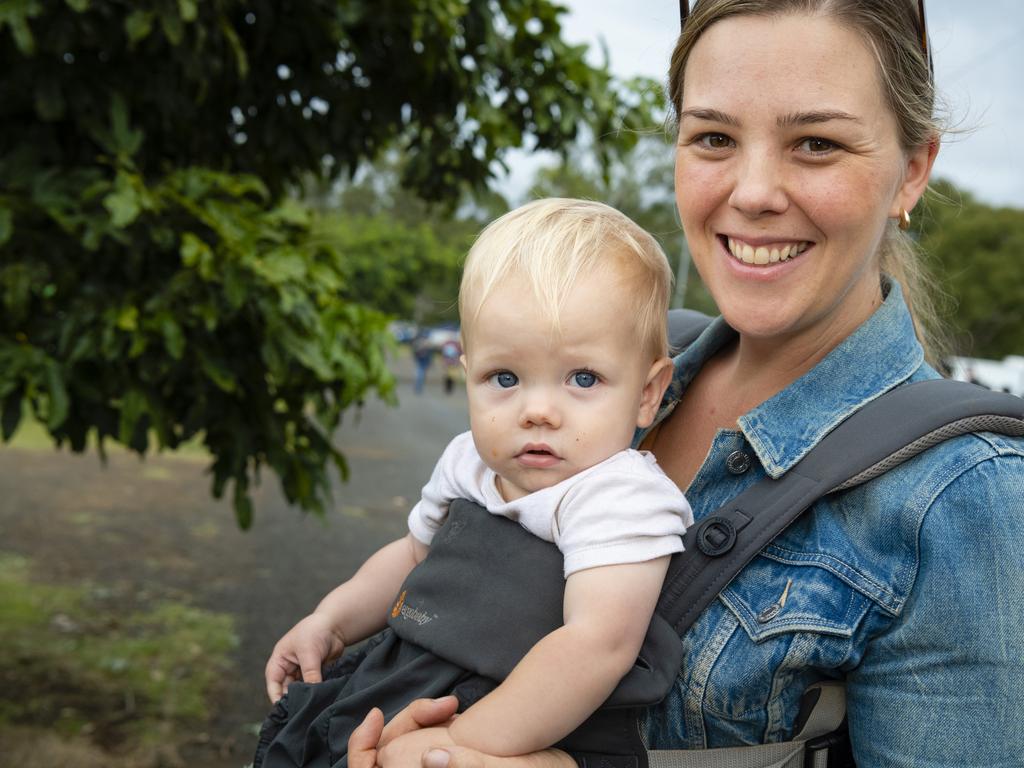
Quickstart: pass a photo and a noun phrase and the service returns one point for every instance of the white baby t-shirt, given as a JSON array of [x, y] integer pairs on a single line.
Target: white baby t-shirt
[[622, 510]]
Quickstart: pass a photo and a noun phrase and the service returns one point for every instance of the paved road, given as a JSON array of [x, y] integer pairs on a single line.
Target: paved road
[[151, 529]]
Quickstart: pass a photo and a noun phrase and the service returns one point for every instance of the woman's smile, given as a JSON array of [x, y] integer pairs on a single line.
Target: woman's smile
[[761, 261], [763, 251]]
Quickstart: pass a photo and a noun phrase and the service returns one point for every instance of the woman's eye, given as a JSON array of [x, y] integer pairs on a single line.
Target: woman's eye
[[503, 379], [816, 146], [584, 379], [714, 141]]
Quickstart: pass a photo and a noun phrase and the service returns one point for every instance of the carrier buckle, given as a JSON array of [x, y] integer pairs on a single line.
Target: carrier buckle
[[829, 751]]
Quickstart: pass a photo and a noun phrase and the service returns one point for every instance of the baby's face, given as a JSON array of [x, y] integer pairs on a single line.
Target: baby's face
[[543, 407]]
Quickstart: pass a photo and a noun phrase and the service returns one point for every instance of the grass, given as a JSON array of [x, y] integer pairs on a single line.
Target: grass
[[79, 664]]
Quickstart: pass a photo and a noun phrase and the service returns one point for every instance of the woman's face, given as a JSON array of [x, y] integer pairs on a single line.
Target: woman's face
[[787, 167]]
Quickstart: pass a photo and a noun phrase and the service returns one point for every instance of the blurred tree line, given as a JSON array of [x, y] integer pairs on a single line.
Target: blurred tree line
[[977, 253], [210, 209], [160, 278]]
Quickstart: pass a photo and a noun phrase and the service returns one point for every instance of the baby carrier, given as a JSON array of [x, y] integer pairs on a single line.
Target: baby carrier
[[467, 614]]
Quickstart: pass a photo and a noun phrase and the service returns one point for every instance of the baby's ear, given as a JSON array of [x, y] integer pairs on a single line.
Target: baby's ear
[[658, 379], [462, 359]]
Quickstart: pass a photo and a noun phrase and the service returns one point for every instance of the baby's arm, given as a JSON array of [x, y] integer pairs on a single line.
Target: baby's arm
[[569, 673], [350, 613], [360, 606]]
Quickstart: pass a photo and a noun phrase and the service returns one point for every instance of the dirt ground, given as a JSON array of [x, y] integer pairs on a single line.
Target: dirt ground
[[150, 528]]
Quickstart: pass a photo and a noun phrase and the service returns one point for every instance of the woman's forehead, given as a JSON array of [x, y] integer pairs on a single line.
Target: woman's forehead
[[789, 63]]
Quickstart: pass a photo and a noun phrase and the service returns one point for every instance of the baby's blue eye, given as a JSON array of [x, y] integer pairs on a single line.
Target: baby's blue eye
[[584, 379], [504, 379]]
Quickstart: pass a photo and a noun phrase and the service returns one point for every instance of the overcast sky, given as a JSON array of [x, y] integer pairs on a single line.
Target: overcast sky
[[979, 69]]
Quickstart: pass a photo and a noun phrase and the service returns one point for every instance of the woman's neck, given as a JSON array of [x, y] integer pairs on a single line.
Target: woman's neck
[[756, 368], [762, 367]]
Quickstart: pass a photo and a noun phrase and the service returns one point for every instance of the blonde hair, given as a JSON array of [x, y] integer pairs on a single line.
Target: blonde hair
[[891, 30], [553, 243]]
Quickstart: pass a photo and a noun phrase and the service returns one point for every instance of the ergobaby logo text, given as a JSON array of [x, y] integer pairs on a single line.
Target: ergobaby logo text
[[409, 612]]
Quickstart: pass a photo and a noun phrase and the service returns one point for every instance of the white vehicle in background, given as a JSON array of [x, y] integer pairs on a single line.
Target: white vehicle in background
[[1006, 375], [440, 335]]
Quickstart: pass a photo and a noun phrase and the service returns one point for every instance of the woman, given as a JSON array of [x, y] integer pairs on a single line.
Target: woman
[[805, 139]]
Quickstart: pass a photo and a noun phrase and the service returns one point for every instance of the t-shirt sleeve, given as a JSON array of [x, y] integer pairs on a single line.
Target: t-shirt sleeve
[[447, 483], [620, 517]]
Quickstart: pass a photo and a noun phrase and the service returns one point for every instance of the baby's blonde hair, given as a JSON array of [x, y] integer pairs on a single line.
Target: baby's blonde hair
[[552, 243]]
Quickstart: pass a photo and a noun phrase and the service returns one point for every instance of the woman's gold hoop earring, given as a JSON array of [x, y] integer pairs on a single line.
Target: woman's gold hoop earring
[[904, 219]]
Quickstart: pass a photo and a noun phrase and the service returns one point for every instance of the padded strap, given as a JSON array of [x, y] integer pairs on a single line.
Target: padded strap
[[684, 326], [788, 754], [891, 429]]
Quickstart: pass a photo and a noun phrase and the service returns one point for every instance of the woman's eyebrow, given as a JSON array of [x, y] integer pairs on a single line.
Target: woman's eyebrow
[[809, 118], [785, 121], [711, 115]]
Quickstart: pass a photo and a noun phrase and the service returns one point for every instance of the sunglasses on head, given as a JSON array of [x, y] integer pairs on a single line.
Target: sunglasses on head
[[684, 12]]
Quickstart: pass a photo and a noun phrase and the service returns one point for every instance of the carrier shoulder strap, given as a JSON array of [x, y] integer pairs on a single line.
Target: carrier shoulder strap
[[881, 435], [684, 326]]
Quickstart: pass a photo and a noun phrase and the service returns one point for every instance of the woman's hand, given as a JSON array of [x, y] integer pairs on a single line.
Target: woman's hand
[[372, 735], [407, 750], [301, 653], [464, 757]]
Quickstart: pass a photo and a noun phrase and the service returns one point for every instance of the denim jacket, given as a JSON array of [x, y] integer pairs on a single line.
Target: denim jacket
[[911, 586]]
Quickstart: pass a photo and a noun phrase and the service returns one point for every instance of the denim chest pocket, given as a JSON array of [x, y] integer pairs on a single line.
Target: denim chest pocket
[[792, 625], [771, 598]]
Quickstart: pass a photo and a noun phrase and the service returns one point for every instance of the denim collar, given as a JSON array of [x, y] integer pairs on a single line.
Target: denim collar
[[880, 354]]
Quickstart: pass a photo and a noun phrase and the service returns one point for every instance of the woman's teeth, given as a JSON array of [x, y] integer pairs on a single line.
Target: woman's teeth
[[748, 254]]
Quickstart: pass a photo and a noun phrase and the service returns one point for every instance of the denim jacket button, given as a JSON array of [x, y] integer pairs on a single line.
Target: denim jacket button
[[769, 613], [737, 462]]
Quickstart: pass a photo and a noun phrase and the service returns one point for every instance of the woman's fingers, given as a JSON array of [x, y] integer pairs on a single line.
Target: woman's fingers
[[463, 757], [362, 744], [442, 758], [372, 734], [422, 713]]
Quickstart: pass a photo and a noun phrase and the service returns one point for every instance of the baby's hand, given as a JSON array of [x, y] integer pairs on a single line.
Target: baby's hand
[[300, 654], [407, 750]]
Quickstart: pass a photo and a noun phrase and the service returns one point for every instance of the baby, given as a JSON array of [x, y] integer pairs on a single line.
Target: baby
[[563, 306]]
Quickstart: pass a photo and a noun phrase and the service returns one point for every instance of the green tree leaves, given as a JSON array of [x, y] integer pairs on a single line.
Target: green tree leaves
[[272, 88], [193, 315], [978, 255], [158, 284], [15, 16]]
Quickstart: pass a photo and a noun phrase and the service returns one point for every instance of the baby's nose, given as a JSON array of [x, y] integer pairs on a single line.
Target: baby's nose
[[539, 411]]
